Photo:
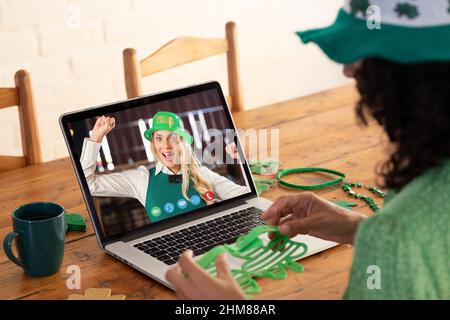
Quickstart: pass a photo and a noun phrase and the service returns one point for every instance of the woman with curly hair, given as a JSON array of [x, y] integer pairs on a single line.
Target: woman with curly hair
[[402, 73]]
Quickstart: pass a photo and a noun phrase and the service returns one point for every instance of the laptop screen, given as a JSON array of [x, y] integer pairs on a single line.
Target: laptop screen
[[159, 159]]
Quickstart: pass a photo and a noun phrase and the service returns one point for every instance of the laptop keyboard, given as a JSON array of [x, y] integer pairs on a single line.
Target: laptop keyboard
[[202, 237]]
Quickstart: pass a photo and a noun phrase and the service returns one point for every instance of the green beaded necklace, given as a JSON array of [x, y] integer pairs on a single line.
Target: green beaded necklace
[[346, 186], [263, 185]]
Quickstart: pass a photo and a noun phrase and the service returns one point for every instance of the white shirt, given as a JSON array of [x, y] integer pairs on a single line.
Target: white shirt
[[133, 183]]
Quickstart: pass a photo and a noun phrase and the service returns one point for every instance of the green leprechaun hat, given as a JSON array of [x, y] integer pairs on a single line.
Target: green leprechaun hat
[[401, 31], [164, 120]]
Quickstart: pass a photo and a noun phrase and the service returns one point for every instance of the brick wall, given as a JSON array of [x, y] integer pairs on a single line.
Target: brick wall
[[73, 48]]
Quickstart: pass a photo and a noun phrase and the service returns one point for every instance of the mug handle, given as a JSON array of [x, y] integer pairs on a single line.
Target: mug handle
[[7, 242]]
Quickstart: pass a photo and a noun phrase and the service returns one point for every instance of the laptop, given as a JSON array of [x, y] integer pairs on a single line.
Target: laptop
[[142, 212]]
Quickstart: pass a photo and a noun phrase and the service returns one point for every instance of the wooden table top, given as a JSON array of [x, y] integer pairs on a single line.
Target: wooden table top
[[317, 130]]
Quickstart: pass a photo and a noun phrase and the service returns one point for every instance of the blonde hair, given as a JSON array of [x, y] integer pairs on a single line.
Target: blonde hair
[[190, 169]]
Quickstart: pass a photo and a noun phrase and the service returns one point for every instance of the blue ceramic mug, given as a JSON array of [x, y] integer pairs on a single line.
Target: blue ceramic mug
[[39, 229]]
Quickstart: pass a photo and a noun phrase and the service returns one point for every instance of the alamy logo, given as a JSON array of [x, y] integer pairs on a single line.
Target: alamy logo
[[374, 279], [73, 282], [73, 17], [373, 15]]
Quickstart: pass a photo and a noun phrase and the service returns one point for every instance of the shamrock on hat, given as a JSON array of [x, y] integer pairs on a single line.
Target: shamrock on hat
[[359, 6], [406, 9]]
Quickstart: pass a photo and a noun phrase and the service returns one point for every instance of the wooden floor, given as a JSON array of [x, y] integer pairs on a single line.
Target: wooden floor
[[318, 130]]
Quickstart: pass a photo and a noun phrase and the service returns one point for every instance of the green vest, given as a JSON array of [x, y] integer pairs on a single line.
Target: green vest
[[165, 199]]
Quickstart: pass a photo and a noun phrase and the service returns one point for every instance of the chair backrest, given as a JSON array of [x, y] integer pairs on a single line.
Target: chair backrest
[[22, 97], [184, 50]]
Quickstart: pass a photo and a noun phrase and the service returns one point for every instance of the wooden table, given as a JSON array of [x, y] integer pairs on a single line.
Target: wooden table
[[317, 130]]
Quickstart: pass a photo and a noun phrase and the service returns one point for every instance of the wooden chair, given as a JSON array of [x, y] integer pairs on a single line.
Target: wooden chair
[[22, 97], [184, 50]]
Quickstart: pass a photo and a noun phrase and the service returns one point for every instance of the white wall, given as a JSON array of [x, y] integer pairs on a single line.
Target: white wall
[[75, 67]]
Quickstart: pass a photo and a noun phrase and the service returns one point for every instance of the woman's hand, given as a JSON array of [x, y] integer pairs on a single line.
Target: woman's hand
[[193, 282], [102, 127], [307, 213]]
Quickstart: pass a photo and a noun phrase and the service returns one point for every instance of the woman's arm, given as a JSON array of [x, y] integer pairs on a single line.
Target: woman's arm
[[307, 213], [128, 183], [123, 184], [384, 262]]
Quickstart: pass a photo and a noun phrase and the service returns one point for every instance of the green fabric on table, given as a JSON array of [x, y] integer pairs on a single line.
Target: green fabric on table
[[264, 167], [408, 242], [263, 185]]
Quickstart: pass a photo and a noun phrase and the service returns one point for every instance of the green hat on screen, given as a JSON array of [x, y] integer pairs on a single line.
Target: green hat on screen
[[169, 121], [403, 31]]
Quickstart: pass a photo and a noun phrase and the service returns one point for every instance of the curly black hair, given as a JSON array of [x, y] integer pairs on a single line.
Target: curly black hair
[[412, 103]]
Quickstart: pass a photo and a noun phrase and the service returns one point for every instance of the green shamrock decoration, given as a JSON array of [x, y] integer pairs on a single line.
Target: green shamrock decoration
[[359, 6], [270, 260], [266, 167], [406, 9], [263, 185]]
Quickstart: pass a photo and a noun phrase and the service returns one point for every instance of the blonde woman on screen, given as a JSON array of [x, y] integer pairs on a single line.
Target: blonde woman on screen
[[177, 184]]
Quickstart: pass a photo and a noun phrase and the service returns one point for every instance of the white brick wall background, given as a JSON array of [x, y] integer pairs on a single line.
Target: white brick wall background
[[75, 67]]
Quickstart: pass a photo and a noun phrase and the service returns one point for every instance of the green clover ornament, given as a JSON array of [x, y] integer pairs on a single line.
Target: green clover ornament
[[270, 260]]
